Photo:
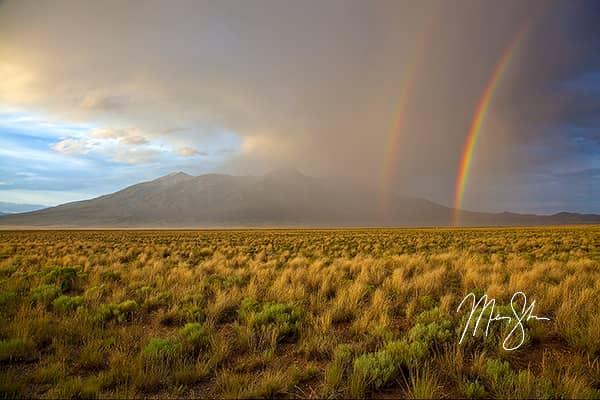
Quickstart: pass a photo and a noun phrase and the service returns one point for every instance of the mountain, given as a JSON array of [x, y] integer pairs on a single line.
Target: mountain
[[11, 208], [281, 198]]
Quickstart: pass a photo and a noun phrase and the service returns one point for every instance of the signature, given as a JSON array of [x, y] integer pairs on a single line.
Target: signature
[[517, 332]]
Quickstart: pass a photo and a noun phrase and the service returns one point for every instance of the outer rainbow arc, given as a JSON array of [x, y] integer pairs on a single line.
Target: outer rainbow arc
[[408, 84], [478, 120], [394, 138]]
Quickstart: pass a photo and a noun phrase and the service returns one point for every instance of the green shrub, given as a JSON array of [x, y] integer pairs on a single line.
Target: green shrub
[[284, 316], [500, 377], [160, 352], [15, 350], [110, 276], [173, 317], [127, 307], [194, 313], [497, 370], [120, 312], [372, 371], [91, 356], [195, 337], [64, 277], [342, 359], [427, 302], [431, 334], [406, 354], [248, 306], [45, 294], [342, 354], [65, 304], [473, 390], [7, 299]]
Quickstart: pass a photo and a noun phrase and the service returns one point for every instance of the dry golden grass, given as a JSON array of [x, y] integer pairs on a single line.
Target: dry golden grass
[[294, 313]]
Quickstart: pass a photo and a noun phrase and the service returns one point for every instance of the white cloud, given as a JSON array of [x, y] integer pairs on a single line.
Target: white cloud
[[134, 141], [112, 133], [71, 146], [189, 152], [135, 156]]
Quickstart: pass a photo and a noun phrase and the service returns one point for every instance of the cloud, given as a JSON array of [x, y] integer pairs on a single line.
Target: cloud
[[71, 146], [104, 102], [119, 145], [111, 133], [189, 152], [135, 156], [127, 136], [133, 141]]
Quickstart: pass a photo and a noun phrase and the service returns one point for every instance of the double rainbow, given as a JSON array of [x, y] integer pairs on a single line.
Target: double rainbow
[[478, 120]]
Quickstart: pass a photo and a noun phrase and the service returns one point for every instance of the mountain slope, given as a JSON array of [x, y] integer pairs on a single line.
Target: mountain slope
[[280, 198]]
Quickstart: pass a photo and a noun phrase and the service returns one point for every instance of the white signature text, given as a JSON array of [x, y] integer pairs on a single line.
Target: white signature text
[[520, 314]]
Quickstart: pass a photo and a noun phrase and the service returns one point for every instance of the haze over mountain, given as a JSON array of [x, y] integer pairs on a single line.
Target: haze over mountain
[[282, 198], [11, 208]]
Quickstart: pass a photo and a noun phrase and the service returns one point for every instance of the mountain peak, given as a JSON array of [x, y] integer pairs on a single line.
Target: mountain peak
[[179, 173], [173, 177]]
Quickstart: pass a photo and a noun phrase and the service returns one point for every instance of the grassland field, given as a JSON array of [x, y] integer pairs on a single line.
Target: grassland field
[[295, 313]]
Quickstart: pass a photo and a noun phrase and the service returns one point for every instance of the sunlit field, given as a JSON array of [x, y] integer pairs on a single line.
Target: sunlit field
[[296, 313]]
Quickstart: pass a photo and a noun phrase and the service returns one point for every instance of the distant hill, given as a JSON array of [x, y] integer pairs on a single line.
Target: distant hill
[[11, 208], [282, 198]]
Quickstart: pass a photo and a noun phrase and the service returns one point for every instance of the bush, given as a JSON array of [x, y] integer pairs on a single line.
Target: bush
[[406, 354], [434, 333], [372, 371], [375, 370], [160, 352], [121, 312], [45, 294], [473, 390], [7, 299], [194, 313], [15, 350], [500, 377], [342, 358], [110, 276], [127, 307], [65, 304], [426, 302], [64, 277], [284, 316], [195, 337], [247, 307]]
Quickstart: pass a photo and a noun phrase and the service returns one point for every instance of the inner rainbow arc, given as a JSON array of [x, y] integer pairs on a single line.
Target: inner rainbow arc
[[410, 76], [478, 120]]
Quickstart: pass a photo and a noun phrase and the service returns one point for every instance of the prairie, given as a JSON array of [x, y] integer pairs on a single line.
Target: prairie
[[295, 313]]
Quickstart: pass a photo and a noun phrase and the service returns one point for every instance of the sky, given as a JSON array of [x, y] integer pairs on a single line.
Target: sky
[[96, 96]]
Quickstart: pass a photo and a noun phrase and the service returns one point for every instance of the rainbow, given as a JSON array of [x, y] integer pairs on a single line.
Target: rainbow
[[393, 141], [478, 120]]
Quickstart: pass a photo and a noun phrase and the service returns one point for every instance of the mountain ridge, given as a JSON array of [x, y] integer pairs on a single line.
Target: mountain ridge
[[280, 198]]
